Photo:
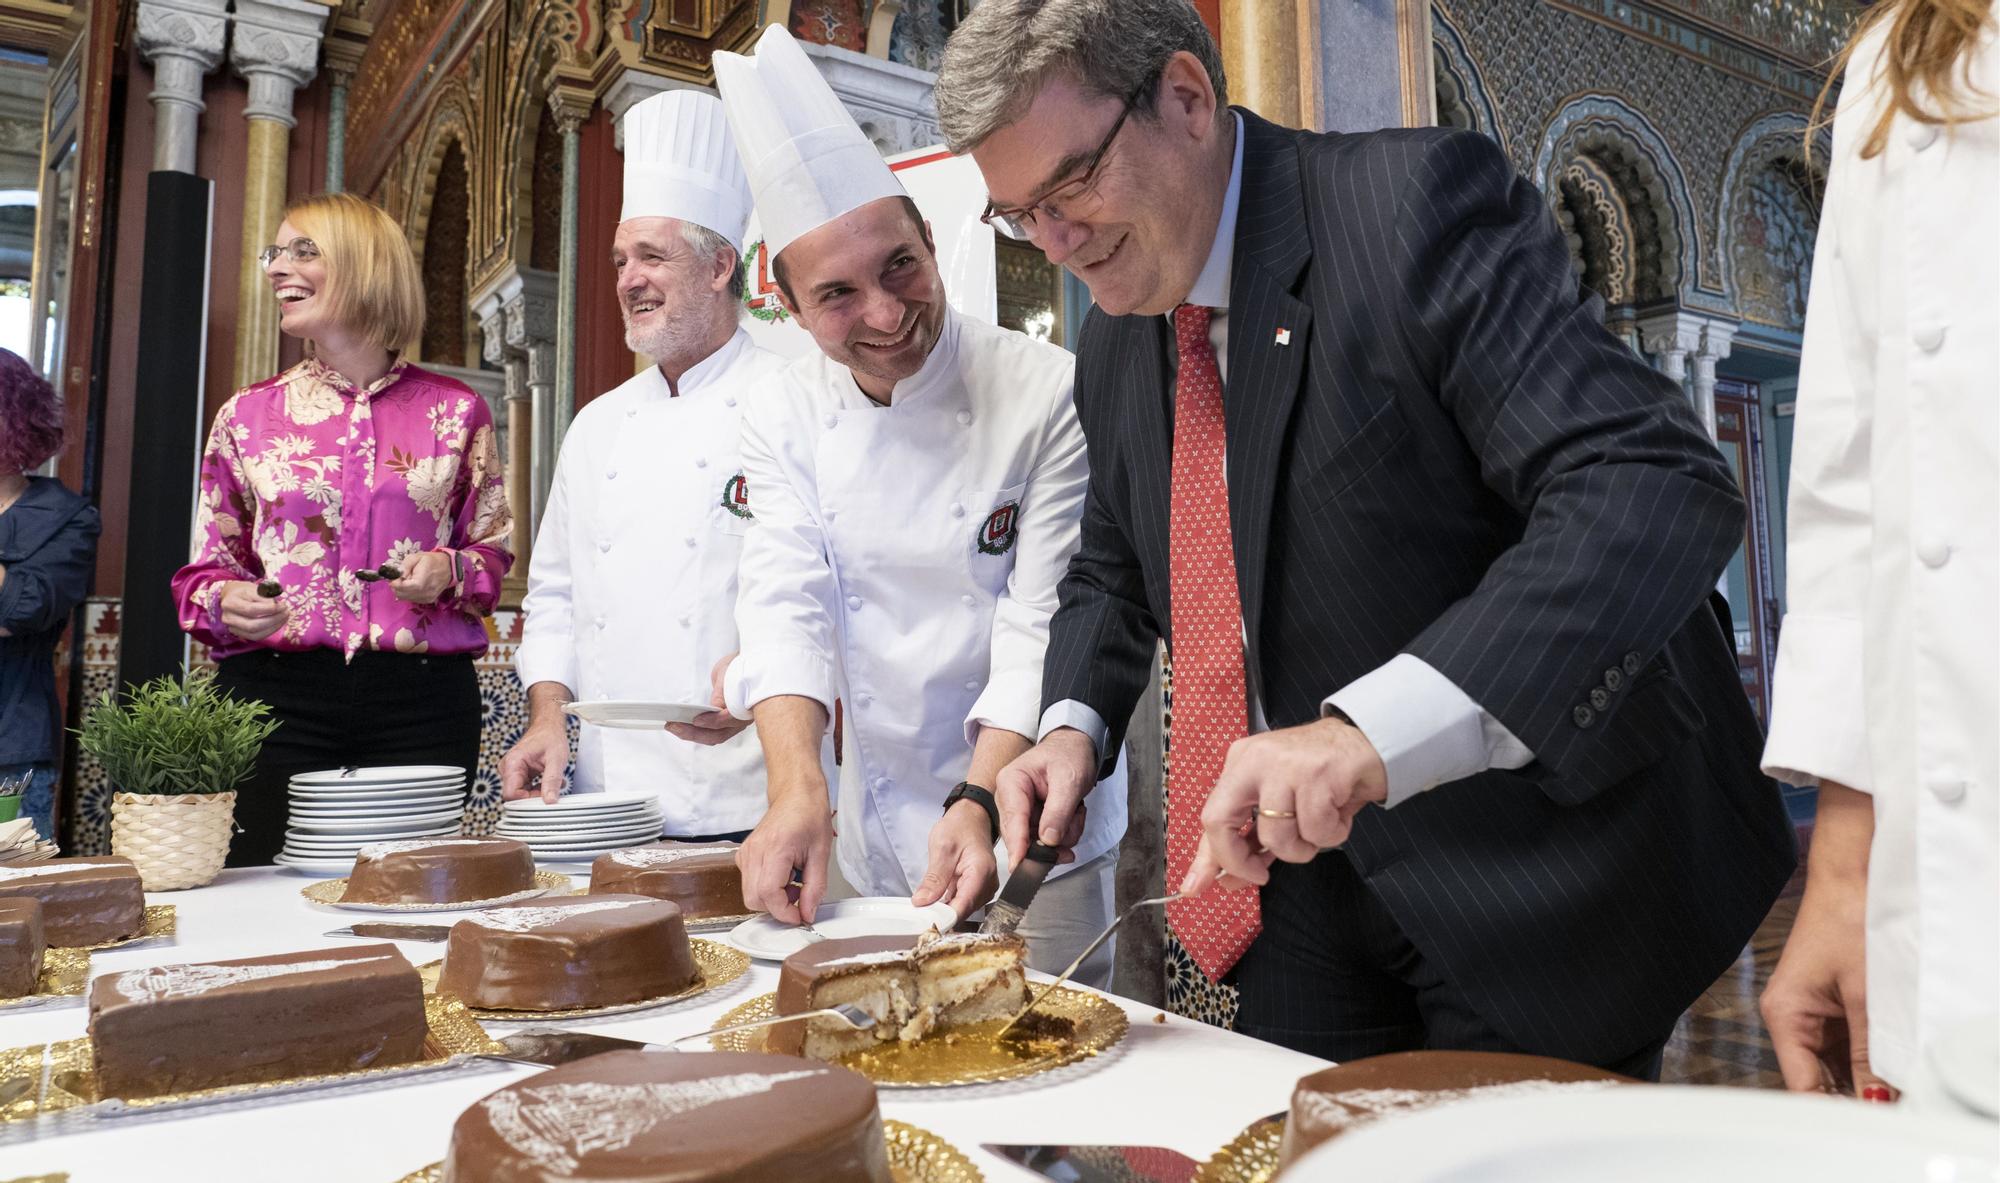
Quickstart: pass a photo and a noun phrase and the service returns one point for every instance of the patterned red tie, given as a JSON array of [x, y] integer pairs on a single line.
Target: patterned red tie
[[1211, 706]]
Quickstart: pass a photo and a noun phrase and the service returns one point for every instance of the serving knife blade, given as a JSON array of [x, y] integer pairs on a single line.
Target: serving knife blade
[[1004, 914], [552, 1047], [394, 932], [1100, 1164]]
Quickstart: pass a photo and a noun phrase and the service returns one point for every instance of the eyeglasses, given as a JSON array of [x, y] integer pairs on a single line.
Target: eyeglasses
[[1018, 222], [298, 250]]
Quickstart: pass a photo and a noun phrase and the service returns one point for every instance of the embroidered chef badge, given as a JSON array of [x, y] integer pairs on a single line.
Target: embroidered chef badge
[[997, 533], [736, 496]]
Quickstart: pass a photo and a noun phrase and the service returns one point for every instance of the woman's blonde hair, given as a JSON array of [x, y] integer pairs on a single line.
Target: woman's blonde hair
[[373, 286], [1926, 62]]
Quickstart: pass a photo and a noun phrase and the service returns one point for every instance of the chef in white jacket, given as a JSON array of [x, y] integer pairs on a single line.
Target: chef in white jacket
[[632, 587], [919, 485], [1886, 694]]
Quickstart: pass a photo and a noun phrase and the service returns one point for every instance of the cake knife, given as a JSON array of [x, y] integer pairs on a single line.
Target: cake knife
[[1004, 914], [394, 932], [1099, 1164], [552, 1047]]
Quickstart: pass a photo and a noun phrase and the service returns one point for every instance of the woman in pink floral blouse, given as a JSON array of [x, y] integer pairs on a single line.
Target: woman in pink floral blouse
[[353, 526]]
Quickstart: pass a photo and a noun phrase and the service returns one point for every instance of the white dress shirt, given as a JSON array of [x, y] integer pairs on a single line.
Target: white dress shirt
[[905, 560], [632, 584], [1886, 663], [1427, 730]]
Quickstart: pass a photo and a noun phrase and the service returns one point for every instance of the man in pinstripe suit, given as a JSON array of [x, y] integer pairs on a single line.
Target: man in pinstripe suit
[[1431, 552]]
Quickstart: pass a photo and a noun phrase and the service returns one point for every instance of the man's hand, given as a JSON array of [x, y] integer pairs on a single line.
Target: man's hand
[[1040, 794], [541, 753], [962, 871], [1301, 785], [425, 576], [249, 615], [797, 832], [718, 725]]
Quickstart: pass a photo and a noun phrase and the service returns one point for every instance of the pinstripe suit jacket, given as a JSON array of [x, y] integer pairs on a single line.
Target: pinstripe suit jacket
[[1452, 458]]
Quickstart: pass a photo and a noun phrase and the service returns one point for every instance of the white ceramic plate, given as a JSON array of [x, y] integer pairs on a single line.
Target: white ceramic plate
[[572, 844], [397, 826], [595, 824], [349, 845], [1658, 1134], [1966, 1060], [535, 808], [311, 865], [398, 774], [636, 716], [396, 813], [767, 940], [364, 796]]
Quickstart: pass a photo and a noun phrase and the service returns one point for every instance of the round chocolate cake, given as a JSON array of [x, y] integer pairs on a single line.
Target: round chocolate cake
[[568, 953], [1335, 1100], [675, 1117], [699, 876], [439, 871]]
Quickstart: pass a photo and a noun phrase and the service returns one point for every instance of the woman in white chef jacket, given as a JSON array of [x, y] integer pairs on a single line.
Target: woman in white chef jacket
[[1885, 694]]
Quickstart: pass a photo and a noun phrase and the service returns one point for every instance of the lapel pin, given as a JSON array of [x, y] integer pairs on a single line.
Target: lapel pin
[[1284, 336]]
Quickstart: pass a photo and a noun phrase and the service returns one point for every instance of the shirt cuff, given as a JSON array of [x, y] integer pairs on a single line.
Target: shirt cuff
[[1077, 714], [1427, 731], [753, 677], [1819, 717], [547, 659], [1007, 704]]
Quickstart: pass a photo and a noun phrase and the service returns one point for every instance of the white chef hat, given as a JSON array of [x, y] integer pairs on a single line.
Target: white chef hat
[[681, 163], [808, 162]]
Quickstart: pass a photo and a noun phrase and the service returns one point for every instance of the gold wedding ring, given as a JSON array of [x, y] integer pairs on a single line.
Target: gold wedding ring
[[1278, 813]]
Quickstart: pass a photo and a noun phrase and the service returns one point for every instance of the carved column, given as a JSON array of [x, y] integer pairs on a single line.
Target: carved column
[[1716, 338], [516, 310], [572, 100], [345, 44], [275, 47], [1683, 342], [183, 39]]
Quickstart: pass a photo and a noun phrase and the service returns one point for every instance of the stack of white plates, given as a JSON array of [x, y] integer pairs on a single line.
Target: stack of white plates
[[336, 813], [579, 828]]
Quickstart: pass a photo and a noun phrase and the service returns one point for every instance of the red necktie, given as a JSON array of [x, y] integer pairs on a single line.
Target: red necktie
[[1211, 706]]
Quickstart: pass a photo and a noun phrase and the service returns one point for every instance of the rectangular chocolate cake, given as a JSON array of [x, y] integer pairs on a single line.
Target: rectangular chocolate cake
[[21, 945], [911, 985], [178, 1028], [85, 901]]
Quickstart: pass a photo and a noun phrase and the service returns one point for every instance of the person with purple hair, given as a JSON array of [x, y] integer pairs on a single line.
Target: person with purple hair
[[48, 549]]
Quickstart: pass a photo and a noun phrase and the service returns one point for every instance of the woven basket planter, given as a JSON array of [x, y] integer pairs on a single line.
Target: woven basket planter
[[176, 841]]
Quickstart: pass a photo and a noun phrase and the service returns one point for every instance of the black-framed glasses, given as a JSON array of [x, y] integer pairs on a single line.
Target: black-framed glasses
[[298, 250], [1018, 222]]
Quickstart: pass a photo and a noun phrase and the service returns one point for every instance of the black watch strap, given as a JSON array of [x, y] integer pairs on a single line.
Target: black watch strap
[[980, 797]]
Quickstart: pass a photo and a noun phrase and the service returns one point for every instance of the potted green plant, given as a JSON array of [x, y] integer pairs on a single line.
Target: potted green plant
[[174, 751]]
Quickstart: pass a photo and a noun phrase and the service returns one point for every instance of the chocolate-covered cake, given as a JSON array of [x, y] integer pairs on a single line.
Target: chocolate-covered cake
[[22, 944], [911, 985], [675, 1117], [439, 871], [85, 901], [1332, 1101], [567, 953], [699, 876], [177, 1028]]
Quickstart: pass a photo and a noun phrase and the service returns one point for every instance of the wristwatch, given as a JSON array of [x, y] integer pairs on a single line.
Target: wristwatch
[[980, 797]]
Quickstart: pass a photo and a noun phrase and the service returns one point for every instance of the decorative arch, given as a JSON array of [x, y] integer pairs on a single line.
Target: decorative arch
[[1599, 226], [1768, 217], [450, 122], [1462, 100], [444, 259], [1626, 153]]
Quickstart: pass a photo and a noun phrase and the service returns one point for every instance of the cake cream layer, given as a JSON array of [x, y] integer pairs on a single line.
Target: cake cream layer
[[178, 1028], [439, 871], [911, 986], [699, 876], [567, 953], [675, 1117], [22, 943], [85, 901]]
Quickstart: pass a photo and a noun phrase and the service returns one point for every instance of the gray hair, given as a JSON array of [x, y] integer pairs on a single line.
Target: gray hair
[[1006, 50], [705, 243]]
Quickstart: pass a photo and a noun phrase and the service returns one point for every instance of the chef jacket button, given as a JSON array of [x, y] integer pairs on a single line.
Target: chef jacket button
[[603, 548], [1929, 338], [1600, 698], [1934, 552], [881, 782], [612, 475], [854, 603], [957, 510], [965, 418], [631, 412], [971, 684], [1631, 664], [600, 620], [690, 540], [701, 462], [829, 420], [687, 622], [1920, 135], [1583, 716], [730, 401], [968, 600], [1614, 679], [1948, 790]]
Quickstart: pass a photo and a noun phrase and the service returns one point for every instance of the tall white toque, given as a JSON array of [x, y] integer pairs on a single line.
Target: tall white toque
[[808, 161], [681, 163]]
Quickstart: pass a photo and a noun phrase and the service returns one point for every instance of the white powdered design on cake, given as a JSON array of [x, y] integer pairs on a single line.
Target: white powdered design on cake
[[187, 981], [375, 850], [9, 873], [560, 1125], [529, 919], [885, 957], [1359, 1106], [662, 856], [930, 943]]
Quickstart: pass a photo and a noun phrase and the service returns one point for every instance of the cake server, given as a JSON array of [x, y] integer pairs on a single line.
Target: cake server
[[1100, 1164], [1004, 914], [552, 1047], [1102, 937], [394, 932]]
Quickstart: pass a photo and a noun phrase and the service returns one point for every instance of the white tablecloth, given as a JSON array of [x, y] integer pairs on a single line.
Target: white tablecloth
[[1178, 1084]]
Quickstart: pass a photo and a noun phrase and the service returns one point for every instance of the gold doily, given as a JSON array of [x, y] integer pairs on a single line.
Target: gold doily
[[964, 1055], [65, 972], [1252, 1157], [716, 964], [327, 893]]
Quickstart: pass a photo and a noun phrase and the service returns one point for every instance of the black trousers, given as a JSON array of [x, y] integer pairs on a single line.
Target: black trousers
[[1332, 975], [379, 709]]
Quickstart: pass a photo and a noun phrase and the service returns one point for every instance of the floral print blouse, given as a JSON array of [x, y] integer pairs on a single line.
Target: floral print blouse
[[307, 479]]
